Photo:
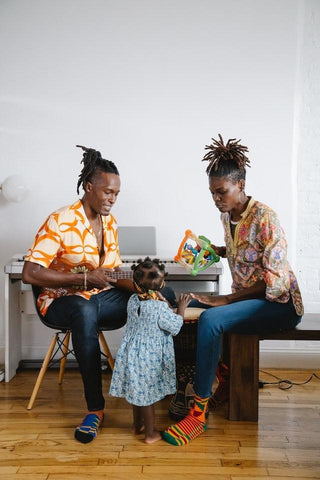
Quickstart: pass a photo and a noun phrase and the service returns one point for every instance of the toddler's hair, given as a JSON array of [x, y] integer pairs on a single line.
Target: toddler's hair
[[148, 274]]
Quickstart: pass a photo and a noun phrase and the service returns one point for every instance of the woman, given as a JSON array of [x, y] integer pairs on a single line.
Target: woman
[[265, 295]]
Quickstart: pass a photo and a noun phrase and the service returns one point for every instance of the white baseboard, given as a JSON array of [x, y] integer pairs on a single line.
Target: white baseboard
[[2, 354], [272, 358], [285, 359]]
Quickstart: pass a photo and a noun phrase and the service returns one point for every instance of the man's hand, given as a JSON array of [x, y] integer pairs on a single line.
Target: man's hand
[[212, 300], [99, 278]]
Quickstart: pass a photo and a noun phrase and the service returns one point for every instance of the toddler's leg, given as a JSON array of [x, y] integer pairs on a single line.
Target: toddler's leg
[[138, 426], [151, 435]]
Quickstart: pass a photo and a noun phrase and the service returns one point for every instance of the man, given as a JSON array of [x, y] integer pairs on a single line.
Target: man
[[72, 258]]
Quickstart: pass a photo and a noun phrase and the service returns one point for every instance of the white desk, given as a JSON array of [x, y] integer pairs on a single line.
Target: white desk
[[177, 277], [12, 316]]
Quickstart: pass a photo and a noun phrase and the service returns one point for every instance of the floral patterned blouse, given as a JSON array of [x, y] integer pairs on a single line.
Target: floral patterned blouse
[[258, 251]]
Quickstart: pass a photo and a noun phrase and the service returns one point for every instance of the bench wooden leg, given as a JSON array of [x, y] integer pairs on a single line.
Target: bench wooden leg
[[244, 377]]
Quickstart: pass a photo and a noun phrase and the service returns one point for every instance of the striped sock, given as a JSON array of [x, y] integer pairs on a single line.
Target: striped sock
[[191, 426], [88, 429]]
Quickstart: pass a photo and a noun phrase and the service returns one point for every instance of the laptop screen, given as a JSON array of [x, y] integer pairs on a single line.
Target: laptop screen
[[137, 241]]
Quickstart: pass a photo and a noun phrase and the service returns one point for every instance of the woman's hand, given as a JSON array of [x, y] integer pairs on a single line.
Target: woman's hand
[[212, 300], [221, 251]]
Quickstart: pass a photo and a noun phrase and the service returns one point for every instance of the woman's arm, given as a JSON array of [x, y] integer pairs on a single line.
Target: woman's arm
[[256, 291]]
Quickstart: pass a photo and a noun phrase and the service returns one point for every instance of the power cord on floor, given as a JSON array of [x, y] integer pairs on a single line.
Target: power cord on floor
[[284, 384]]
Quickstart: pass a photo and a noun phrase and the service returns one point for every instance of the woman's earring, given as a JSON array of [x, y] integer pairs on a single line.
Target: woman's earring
[[242, 197]]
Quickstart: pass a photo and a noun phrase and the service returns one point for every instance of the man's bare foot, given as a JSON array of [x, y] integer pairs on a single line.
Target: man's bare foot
[[138, 429], [155, 437]]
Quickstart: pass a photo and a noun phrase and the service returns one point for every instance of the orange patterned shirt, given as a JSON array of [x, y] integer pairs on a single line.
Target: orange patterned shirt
[[66, 241]]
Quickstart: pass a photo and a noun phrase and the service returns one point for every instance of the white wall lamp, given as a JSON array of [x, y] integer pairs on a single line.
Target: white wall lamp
[[14, 188]]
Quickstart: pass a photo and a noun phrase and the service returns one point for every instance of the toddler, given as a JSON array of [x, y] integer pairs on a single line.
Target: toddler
[[144, 369]]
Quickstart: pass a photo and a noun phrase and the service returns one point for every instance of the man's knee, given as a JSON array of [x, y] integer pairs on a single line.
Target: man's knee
[[85, 317]]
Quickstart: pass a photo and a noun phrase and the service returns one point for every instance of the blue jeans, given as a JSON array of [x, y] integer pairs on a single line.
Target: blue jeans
[[248, 316], [106, 310]]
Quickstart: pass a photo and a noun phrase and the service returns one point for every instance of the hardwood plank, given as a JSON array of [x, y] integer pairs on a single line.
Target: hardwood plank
[[175, 461], [81, 470], [143, 476], [272, 477], [9, 470], [204, 470], [295, 472], [18, 476]]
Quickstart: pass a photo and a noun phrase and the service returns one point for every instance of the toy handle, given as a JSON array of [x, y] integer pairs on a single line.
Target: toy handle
[[207, 246]]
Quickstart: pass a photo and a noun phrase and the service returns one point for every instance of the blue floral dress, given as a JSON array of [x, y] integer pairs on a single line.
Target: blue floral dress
[[145, 369]]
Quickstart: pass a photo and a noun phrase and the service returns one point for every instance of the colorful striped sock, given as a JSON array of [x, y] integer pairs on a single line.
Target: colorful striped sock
[[191, 426], [88, 429]]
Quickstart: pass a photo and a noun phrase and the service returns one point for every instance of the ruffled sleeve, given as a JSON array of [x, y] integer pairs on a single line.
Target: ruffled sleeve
[[169, 321]]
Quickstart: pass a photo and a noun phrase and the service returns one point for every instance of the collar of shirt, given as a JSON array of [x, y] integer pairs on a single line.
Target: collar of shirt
[[81, 214], [246, 212]]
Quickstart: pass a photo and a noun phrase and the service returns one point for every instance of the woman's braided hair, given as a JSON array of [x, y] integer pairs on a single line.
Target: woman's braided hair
[[93, 164], [227, 160]]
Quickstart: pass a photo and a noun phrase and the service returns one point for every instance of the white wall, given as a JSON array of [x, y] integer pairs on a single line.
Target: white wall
[[308, 163], [148, 83]]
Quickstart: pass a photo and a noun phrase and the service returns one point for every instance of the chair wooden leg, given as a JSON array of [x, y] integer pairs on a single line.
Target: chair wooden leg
[[42, 372], [244, 377], [63, 360], [106, 350]]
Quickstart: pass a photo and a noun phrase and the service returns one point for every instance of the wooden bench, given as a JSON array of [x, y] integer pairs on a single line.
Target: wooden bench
[[243, 360]]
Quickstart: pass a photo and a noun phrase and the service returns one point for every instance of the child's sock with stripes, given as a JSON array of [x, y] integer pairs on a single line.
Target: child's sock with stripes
[[88, 429], [191, 426]]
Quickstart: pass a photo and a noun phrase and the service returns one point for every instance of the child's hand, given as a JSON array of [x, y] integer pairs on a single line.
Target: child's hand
[[183, 302]]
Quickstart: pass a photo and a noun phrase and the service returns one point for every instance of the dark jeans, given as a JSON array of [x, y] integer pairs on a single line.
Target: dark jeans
[[108, 311], [248, 316]]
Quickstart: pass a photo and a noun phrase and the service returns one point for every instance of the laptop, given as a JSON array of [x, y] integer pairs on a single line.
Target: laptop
[[136, 242]]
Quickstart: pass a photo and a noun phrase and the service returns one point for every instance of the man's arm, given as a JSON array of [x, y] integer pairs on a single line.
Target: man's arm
[[45, 277]]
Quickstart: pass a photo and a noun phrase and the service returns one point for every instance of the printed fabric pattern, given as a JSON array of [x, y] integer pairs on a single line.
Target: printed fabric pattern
[[66, 241], [259, 252], [145, 370]]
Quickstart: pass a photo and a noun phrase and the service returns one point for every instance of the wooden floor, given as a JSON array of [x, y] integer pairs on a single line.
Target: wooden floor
[[39, 444]]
